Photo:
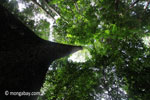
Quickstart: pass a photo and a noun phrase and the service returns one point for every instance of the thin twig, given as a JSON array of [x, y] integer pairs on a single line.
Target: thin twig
[[76, 6]]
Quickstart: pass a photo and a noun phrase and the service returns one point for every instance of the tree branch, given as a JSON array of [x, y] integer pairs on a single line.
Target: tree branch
[[35, 2], [50, 8], [134, 3], [117, 4], [54, 11]]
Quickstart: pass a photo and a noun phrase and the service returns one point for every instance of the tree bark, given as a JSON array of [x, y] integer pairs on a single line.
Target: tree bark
[[24, 57]]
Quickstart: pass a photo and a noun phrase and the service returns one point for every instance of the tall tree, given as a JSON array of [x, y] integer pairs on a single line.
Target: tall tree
[[114, 32], [24, 58]]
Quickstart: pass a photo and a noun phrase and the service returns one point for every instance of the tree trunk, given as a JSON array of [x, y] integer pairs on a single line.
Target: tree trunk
[[24, 58]]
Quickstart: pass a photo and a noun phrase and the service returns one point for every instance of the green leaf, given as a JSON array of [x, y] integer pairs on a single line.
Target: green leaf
[[107, 32]]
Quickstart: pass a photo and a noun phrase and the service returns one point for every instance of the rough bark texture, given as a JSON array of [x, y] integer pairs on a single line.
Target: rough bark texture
[[24, 57]]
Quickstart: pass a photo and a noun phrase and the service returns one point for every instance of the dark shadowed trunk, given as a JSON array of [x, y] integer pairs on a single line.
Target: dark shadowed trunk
[[24, 57]]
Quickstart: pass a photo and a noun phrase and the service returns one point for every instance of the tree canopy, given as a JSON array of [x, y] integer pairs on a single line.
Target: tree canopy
[[115, 32]]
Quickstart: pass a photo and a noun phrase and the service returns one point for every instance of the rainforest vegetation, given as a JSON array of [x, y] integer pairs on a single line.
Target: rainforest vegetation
[[115, 35]]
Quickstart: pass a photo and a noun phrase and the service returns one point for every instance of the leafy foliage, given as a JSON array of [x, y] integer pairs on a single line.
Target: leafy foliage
[[112, 30]]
